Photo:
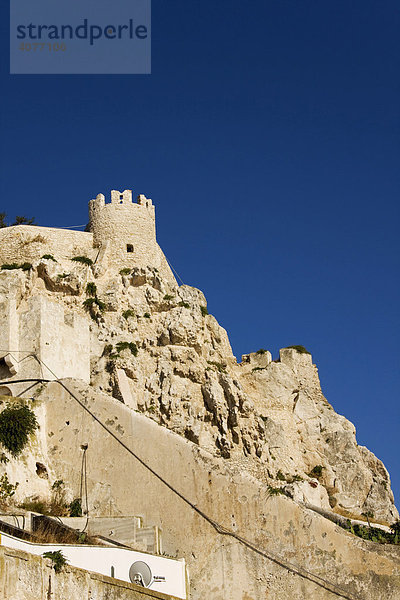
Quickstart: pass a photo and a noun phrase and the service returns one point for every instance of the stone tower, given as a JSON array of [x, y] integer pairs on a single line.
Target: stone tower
[[125, 232]]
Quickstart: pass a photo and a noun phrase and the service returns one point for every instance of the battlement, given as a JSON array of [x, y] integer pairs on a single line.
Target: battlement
[[120, 198]]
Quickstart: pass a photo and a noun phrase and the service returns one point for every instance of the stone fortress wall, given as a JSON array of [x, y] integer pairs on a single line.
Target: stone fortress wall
[[122, 235], [28, 243]]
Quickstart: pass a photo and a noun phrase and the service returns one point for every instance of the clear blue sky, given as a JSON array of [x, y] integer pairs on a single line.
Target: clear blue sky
[[268, 138]]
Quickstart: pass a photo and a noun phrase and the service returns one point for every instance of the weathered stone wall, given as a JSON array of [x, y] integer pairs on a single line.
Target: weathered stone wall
[[28, 243], [60, 339], [25, 576], [220, 566], [41, 326]]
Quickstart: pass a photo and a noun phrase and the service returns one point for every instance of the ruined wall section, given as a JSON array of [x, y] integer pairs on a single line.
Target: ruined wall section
[[28, 243]]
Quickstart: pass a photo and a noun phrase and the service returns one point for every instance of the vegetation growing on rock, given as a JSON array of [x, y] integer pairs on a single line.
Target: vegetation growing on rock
[[17, 423], [58, 559], [83, 260], [299, 349]]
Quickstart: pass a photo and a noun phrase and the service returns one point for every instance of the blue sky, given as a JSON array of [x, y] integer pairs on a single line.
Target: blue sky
[[268, 137]]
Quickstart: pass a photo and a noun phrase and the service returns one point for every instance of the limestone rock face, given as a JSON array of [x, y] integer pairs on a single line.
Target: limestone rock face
[[154, 347]]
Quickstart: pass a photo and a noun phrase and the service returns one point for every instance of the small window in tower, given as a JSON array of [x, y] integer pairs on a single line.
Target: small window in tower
[[129, 248], [121, 198]]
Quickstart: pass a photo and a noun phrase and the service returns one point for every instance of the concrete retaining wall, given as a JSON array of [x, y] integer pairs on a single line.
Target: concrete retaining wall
[[24, 576]]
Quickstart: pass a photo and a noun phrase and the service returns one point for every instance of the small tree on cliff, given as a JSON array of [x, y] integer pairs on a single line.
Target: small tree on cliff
[[396, 531], [19, 220], [24, 221]]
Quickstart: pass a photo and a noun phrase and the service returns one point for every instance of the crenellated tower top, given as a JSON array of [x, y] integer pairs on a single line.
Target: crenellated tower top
[[125, 231]]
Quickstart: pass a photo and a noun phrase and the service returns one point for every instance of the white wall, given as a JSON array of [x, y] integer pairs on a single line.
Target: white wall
[[100, 559]]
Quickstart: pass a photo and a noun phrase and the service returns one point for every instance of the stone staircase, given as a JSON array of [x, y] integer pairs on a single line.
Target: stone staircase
[[126, 531]]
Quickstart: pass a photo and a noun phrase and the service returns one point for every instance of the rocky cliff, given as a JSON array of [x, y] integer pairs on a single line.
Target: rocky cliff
[[154, 347]]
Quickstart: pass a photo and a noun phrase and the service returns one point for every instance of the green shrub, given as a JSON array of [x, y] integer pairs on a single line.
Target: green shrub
[[26, 266], [91, 289], [75, 508], [83, 259], [127, 346], [63, 276], [395, 528], [89, 303], [147, 315], [280, 476], [127, 314], [261, 351], [184, 304], [374, 534], [299, 349], [316, 471], [258, 369], [204, 310], [273, 491], [9, 267], [17, 423], [126, 271], [7, 489], [94, 305], [24, 221], [168, 297], [58, 559], [48, 257]]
